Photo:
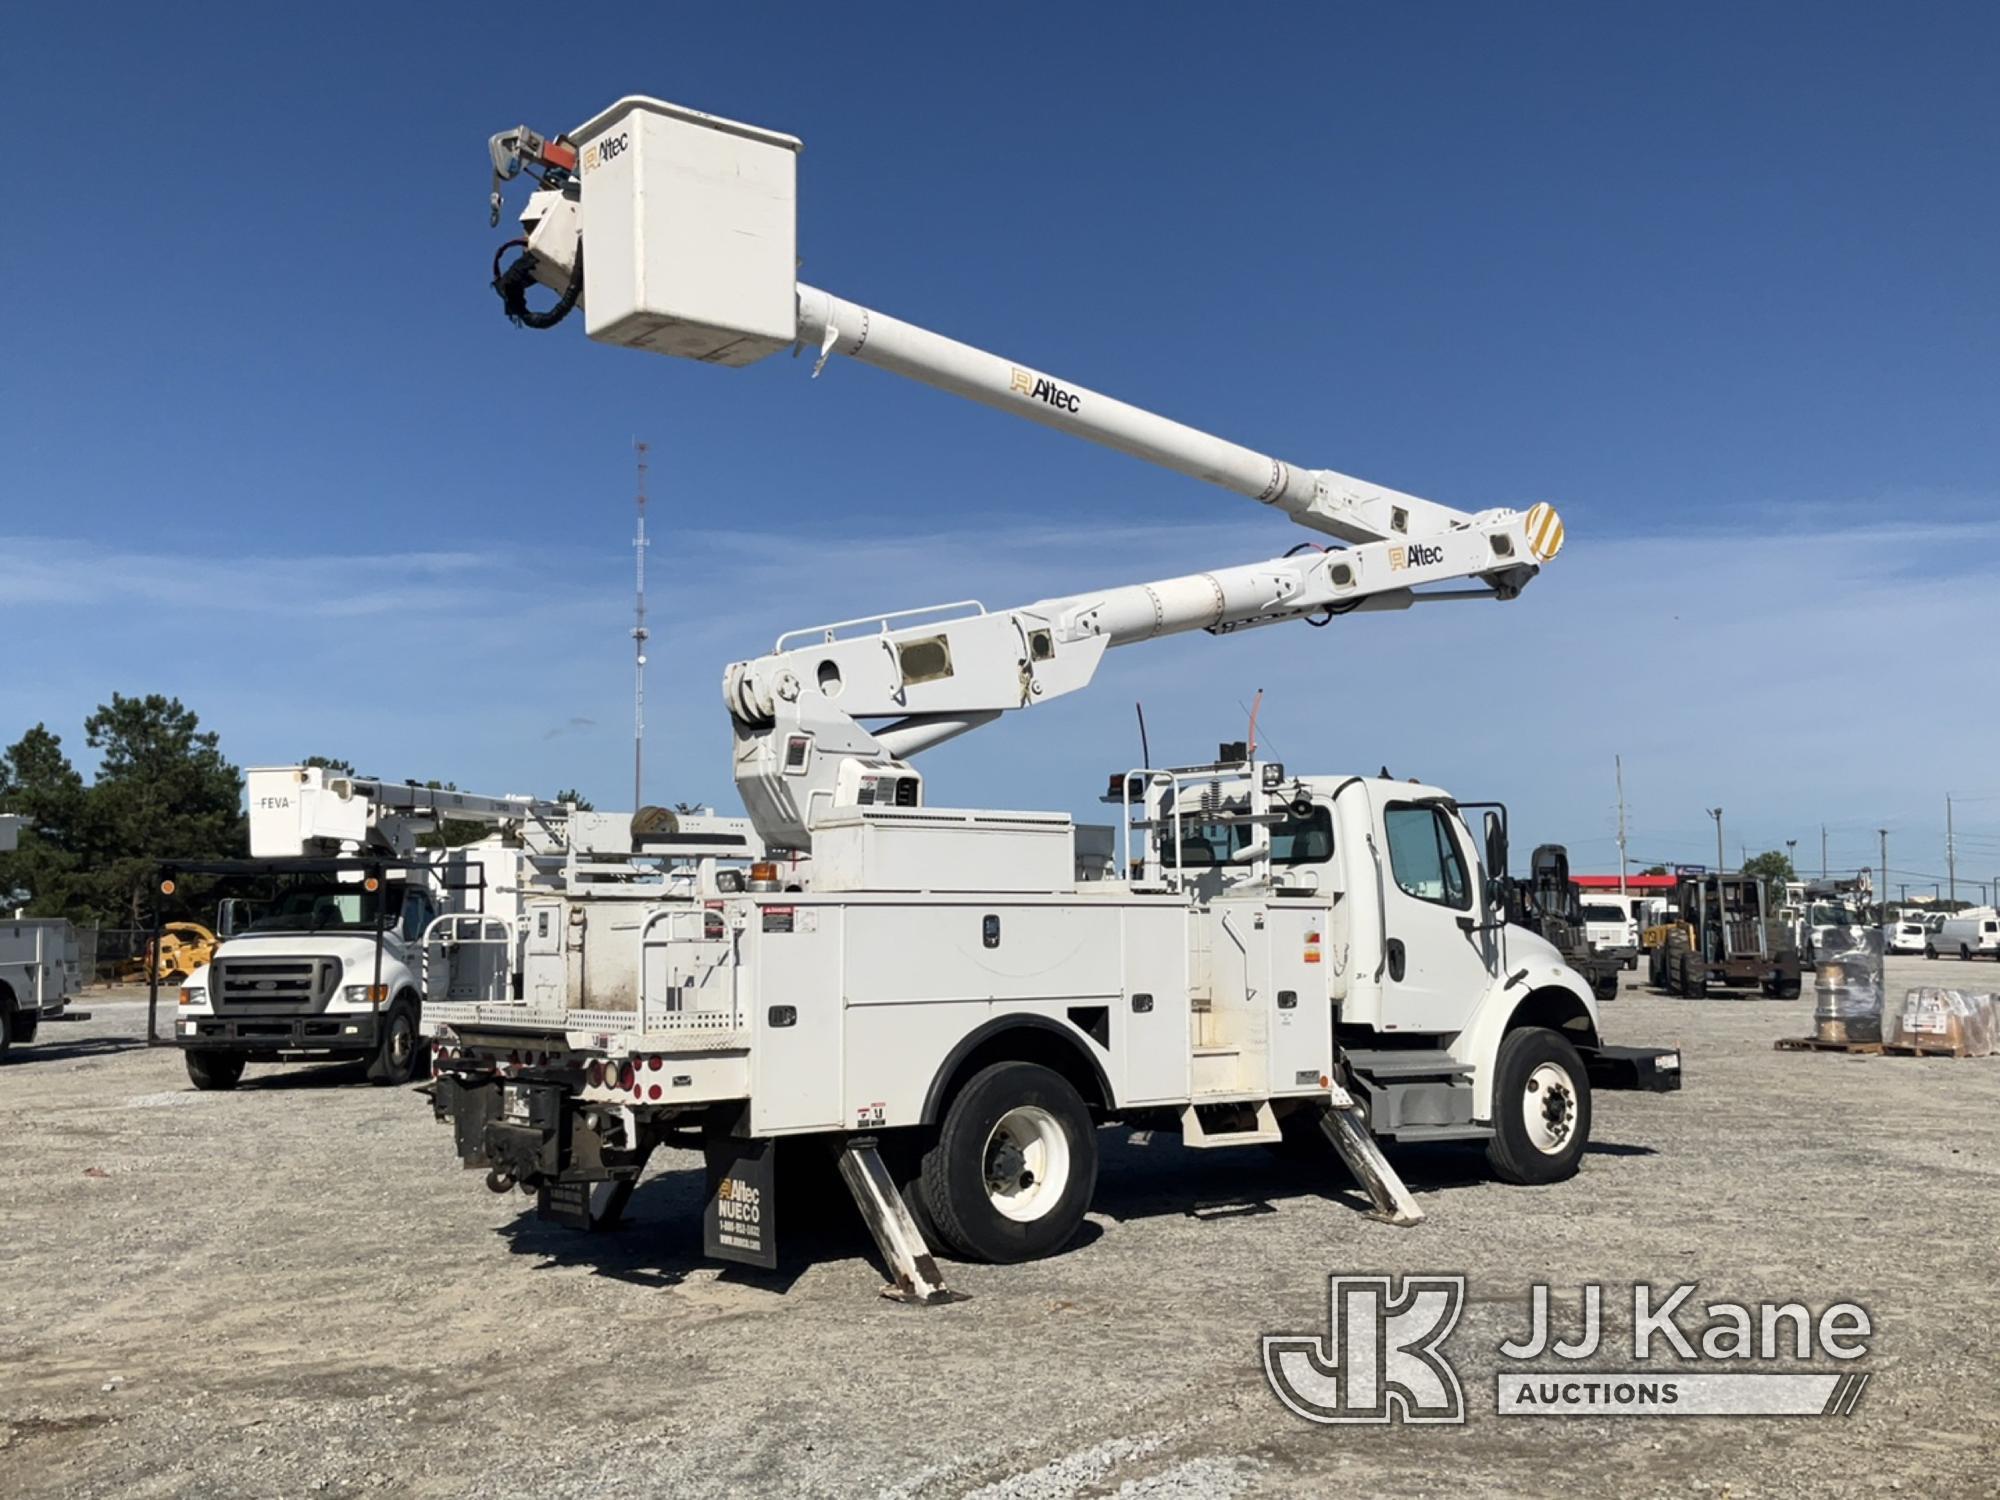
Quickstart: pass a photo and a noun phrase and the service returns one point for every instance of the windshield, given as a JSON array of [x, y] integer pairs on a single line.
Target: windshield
[[1603, 914], [1829, 914], [330, 906]]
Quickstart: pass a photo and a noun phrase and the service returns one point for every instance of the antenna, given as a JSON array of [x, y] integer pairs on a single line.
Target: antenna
[[639, 634]]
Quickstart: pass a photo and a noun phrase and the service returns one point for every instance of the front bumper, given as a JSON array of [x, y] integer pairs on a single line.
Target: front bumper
[[1646, 1070], [333, 1031]]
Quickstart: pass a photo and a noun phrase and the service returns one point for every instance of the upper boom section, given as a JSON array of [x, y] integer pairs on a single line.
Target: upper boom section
[[687, 224]]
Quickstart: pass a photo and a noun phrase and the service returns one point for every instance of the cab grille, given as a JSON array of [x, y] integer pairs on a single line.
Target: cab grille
[[275, 983]]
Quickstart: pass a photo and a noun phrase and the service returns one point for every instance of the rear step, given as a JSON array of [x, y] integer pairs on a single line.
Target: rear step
[[1251, 1123]]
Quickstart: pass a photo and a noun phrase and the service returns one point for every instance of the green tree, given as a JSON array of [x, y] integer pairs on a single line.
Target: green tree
[[1654, 870], [577, 799], [330, 763], [1774, 866], [38, 783], [163, 789]]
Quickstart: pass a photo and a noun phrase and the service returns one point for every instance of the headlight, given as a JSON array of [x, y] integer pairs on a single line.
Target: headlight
[[193, 994], [366, 994]]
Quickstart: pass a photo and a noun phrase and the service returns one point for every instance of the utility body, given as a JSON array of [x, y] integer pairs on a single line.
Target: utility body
[[934, 994], [41, 966]]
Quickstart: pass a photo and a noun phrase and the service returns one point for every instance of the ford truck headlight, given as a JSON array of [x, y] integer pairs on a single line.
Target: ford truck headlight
[[194, 994], [366, 994]]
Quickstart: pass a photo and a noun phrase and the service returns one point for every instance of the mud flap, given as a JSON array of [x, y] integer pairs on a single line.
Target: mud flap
[[739, 1221]]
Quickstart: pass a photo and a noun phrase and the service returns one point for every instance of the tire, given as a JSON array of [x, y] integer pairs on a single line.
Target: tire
[[400, 1050], [25, 1028], [1014, 1167], [1964, 955], [1694, 979], [903, 1153], [1790, 989], [215, 1072], [1929, 951], [1541, 1108], [7, 1024]]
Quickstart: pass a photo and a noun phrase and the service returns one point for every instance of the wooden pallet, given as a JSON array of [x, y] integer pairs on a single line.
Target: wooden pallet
[[1814, 1044], [1887, 1049]]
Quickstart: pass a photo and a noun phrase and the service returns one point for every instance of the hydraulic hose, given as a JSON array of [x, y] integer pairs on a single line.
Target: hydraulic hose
[[512, 284]]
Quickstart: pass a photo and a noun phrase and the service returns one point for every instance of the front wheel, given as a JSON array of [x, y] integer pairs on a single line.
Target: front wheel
[[1964, 954], [25, 1028], [1930, 950], [395, 1061], [215, 1071], [1541, 1108], [1014, 1167]]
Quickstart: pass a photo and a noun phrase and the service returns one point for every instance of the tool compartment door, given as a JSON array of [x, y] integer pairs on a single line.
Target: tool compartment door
[[795, 1016], [1149, 1024], [1301, 1024]]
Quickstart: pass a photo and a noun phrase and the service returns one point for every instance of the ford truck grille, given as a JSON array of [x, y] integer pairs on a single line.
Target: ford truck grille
[[275, 983]]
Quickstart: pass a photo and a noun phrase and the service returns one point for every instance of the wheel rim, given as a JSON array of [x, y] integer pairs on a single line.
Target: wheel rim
[[1026, 1163], [1548, 1108], [402, 1043]]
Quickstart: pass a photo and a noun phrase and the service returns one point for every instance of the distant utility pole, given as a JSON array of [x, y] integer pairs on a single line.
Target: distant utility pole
[[1882, 896], [1822, 851], [1721, 859], [1792, 854], [1618, 762], [1950, 849], [639, 635]]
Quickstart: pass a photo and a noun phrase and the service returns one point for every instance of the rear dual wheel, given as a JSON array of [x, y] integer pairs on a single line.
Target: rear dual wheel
[[1012, 1171]]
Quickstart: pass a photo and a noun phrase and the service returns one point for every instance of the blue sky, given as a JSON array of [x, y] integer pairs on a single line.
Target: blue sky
[[1717, 280]]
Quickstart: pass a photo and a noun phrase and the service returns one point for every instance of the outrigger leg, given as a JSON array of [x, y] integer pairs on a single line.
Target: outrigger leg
[[1343, 1124], [896, 1233]]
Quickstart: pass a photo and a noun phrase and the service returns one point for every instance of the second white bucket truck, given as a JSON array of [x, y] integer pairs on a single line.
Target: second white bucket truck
[[946, 1004], [326, 960]]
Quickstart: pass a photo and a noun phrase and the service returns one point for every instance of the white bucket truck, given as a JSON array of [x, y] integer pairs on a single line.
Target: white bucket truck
[[323, 942], [943, 1000]]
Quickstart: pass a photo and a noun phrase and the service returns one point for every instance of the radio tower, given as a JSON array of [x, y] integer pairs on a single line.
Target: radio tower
[[639, 634]]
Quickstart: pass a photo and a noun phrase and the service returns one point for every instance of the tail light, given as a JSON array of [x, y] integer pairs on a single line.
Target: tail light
[[626, 1074], [595, 1074]]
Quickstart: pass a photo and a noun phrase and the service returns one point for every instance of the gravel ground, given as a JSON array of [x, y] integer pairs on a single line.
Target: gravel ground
[[292, 1289]]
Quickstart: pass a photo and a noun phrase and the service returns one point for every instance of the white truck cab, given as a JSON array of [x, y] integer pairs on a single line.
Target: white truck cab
[[1611, 925], [329, 966]]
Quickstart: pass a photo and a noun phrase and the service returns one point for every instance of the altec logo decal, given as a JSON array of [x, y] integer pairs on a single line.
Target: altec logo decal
[[600, 153], [1039, 388], [1416, 555]]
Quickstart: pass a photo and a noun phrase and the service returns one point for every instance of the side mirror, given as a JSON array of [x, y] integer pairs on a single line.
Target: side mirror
[[1496, 896], [1496, 844]]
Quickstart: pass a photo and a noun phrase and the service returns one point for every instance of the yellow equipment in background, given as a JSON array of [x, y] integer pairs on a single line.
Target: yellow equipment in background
[[184, 947]]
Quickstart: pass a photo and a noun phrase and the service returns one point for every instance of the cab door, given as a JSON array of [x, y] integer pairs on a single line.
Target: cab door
[[1440, 952]]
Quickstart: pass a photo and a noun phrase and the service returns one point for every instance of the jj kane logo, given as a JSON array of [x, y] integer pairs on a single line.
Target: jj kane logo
[[1381, 1358], [1039, 388], [1415, 555]]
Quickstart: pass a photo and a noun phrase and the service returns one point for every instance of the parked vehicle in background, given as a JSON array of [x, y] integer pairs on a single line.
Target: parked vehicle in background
[[1965, 934], [1827, 916], [321, 950], [1611, 926], [1724, 938], [41, 966], [1909, 935]]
